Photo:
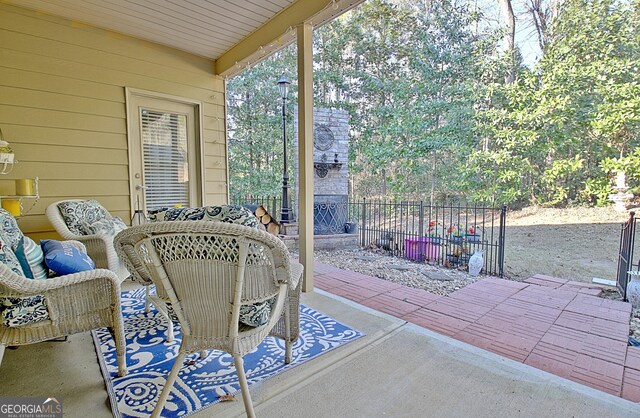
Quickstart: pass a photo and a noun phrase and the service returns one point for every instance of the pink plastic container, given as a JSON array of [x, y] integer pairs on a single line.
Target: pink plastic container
[[420, 249]]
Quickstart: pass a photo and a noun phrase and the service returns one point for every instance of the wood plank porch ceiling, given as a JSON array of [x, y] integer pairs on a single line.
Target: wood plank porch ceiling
[[239, 31]]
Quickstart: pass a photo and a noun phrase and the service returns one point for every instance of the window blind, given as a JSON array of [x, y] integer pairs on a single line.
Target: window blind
[[166, 160]]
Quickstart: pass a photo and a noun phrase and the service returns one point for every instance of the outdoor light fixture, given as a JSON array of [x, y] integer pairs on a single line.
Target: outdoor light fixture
[[283, 86]]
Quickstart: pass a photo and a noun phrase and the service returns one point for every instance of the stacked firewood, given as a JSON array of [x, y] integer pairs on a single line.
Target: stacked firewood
[[267, 221]]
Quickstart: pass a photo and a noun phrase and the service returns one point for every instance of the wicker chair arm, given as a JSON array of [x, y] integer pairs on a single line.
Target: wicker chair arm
[[59, 224], [86, 240], [12, 284], [56, 219], [90, 237], [98, 246], [296, 274]]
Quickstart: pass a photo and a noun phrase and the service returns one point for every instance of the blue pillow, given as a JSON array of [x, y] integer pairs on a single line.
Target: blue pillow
[[63, 258], [35, 258]]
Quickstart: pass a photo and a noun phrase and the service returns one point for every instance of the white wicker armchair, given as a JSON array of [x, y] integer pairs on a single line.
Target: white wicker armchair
[[76, 303], [99, 247], [209, 270]]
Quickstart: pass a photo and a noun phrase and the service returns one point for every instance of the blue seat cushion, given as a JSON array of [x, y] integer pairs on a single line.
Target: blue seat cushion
[[17, 312]]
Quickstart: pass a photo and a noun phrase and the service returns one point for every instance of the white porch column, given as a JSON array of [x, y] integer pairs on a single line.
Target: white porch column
[[305, 151]]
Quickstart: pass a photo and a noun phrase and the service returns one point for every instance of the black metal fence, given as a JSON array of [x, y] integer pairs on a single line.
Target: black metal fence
[[446, 234], [626, 252]]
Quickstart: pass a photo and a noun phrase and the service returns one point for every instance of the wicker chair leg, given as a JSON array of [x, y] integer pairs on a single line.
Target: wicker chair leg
[[288, 344], [164, 310], [168, 384], [122, 365], [244, 386], [121, 344], [2, 347], [170, 335], [146, 299], [203, 354]]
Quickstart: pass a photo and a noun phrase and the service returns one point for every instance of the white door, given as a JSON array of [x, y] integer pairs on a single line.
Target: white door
[[164, 145]]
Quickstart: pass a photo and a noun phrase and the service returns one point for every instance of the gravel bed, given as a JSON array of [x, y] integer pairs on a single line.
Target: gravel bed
[[634, 324], [435, 279]]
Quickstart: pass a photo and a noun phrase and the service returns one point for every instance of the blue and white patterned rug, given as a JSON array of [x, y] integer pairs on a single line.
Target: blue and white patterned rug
[[201, 381]]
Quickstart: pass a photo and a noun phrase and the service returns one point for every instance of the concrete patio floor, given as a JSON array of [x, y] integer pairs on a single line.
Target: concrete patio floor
[[555, 325], [398, 370]]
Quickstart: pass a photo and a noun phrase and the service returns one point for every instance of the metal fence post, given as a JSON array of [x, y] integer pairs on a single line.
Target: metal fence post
[[501, 239], [421, 220], [274, 205], [625, 254], [364, 218]]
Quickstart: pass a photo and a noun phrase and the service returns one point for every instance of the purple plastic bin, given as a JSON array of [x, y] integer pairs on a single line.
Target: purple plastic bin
[[420, 248]]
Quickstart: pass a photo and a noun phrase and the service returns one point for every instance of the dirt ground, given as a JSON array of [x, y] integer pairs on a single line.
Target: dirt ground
[[576, 243]]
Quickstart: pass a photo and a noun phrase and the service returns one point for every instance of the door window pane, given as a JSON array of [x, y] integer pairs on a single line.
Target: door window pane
[[166, 160]]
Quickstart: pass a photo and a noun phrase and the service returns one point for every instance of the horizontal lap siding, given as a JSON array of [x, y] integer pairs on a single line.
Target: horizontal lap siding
[[63, 110]]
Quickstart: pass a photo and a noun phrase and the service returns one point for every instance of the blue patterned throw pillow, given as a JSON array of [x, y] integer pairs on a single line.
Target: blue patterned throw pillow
[[31, 259], [108, 227], [19, 311], [156, 215], [64, 258], [8, 258], [22, 259], [75, 213], [9, 230], [35, 258], [232, 214], [257, 314]]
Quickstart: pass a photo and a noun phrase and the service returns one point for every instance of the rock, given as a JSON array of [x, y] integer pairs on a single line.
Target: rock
[[400, 267], [438, 275]]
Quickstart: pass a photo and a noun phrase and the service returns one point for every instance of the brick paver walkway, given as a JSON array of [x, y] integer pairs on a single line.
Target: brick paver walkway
[[555, 325]]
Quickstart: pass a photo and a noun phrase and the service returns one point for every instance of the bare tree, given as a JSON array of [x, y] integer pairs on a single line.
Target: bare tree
[[554, 8], [509, 37], [540, 13]]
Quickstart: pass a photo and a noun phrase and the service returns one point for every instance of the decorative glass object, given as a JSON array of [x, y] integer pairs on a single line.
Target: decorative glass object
[[633, 289], [476, 262]]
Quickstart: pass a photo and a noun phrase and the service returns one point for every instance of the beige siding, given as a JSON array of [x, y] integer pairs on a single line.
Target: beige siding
[[62, 108]]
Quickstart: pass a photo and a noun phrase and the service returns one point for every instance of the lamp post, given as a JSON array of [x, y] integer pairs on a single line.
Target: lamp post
[[283, 86]]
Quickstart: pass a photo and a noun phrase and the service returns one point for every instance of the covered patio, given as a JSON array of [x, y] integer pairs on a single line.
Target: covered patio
[[70, 71]]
